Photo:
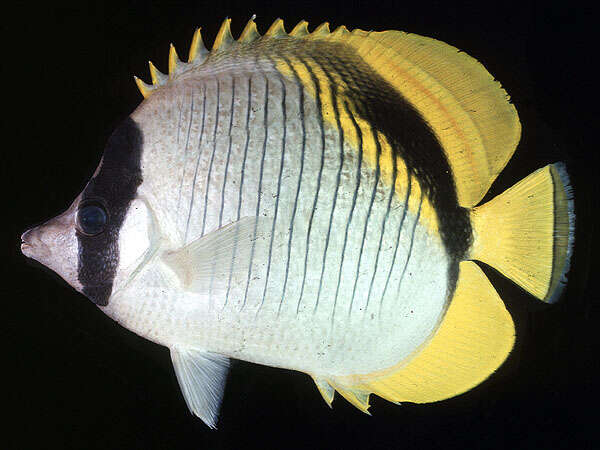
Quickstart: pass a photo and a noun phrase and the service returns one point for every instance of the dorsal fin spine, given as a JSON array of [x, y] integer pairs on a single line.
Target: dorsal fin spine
[[198, 51], [300, 30], [250, 33], [174, 60], [276, 29], [340, 31], [145, 89], [224, 39], [321, 30], [158, 78]]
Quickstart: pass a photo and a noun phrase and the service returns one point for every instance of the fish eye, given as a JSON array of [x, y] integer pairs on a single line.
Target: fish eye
[[92, 219]]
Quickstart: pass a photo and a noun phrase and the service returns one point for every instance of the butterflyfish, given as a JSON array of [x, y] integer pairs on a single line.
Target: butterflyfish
[[311, 201]]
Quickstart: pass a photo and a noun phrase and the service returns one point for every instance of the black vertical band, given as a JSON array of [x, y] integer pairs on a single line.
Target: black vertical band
[[114, 186]]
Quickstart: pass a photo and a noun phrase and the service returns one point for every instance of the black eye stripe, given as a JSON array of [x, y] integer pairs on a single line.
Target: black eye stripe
[[113, 187]]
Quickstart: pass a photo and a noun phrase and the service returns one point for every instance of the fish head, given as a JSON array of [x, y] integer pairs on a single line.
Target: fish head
[[100, 241]]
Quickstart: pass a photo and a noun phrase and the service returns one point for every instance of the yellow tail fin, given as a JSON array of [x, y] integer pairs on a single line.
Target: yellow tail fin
[[527, 232]]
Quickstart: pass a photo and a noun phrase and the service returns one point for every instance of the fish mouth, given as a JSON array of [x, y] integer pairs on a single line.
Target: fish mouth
[[32, 246], [26, 247]]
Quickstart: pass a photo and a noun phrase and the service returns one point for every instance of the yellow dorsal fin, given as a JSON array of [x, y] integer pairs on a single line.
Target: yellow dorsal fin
[[276, 29], [468, 111], [224, 39], [339, 32], [198, 51], [145, 89], [300, 30], [250, 33], [174, 60], [158, 78], [321, 30], [474, 339]]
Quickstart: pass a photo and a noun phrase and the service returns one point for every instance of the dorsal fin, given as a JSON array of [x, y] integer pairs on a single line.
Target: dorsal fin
[[276, 29], [198, 51], [224, 38], [249, 33], [468, 110], [300, 30]]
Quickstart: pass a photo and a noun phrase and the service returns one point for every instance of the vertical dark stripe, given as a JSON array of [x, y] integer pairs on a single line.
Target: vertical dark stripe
[[383, 223], [228, 152], [260, 178], [281, 165], [315, 81], [187, 224], [337, 181], [212, 158], [245, 147], [185, 152], [412, 239], [241, 189], [301, 171], [405, 206], [354, 197], [116, 183], [373, 194], [179, 120]]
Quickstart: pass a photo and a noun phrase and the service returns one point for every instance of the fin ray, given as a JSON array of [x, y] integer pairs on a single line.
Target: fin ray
[[526, 232], [207, 262], [201, 376]]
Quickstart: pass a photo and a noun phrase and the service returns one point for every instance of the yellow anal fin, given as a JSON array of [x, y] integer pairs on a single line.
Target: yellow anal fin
[[357, 397], [526, 232], [474, 339]]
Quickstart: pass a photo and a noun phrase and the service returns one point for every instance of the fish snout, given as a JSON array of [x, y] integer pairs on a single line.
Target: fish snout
[[32, 245], [54, 244]]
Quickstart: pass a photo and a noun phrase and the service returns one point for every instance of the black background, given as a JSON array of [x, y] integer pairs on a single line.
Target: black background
[[78, 380]]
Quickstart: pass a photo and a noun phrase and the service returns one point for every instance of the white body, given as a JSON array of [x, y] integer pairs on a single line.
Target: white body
[[195, 173]]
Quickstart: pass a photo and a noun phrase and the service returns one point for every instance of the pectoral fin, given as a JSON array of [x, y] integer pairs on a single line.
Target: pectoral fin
[[208, 261], [201, 376]]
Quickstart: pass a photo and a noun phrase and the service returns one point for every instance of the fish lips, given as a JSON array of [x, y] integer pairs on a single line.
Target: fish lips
[[54, 245]]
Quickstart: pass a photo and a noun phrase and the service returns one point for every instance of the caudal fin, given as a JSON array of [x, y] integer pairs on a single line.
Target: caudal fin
[[527, 232]]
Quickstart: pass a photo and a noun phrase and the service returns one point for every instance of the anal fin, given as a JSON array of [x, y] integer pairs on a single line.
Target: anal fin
[[201, 376], [356, 397], [475, 337], [325, 389]]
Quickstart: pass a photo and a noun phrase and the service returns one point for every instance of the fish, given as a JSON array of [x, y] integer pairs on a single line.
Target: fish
[[312, 200]]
